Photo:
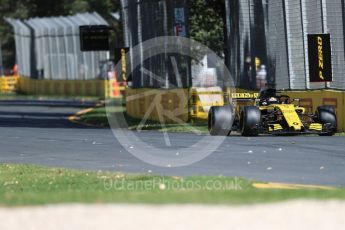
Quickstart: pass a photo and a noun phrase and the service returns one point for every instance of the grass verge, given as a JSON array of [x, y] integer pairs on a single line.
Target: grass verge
[[33, 185], [340, 134]]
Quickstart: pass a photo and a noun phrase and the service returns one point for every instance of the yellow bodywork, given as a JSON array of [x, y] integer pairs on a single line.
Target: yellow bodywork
[[275, 127], [316, 126], [289, 113], [291, 117]]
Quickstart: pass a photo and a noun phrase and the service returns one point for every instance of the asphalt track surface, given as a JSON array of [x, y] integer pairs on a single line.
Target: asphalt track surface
[[40, 133]]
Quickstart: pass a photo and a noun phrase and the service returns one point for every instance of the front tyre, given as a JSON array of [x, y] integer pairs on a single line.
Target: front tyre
[[326, 116], [250, 121], [220, 120]]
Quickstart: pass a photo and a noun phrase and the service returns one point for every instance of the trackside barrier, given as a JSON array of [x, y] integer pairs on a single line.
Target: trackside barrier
[[162, 105], [94, 88], [8, 84], [165, 104], [202, 99]]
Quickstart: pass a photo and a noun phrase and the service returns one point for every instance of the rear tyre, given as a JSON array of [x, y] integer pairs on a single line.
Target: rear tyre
[[220, 120], [250, 121], [326, 116]]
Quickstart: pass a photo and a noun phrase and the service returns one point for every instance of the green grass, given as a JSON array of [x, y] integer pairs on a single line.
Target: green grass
[[33, 185], [340, 134], [98, 116]]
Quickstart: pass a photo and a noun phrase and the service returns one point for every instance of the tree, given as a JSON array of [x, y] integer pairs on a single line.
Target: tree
[[206, 23]]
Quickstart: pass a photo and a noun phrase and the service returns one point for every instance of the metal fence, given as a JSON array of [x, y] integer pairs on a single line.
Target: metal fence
[[23, 46], [1, 63], [274, 33], [261, 33], [49, 48], [149, 19]]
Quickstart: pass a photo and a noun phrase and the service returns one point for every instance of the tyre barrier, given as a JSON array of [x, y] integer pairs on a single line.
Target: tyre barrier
[[174, 105], [93, 88], [202, 99], [161, 105], [8, 84]]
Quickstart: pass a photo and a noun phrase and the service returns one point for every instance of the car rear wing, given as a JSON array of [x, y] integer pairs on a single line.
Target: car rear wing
[[244, 98]]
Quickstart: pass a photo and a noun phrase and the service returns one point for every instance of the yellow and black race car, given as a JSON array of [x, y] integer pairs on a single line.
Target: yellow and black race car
[[271, 114]]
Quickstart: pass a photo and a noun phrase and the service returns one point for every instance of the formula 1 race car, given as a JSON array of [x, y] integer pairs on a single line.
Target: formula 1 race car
[[271, 114]]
